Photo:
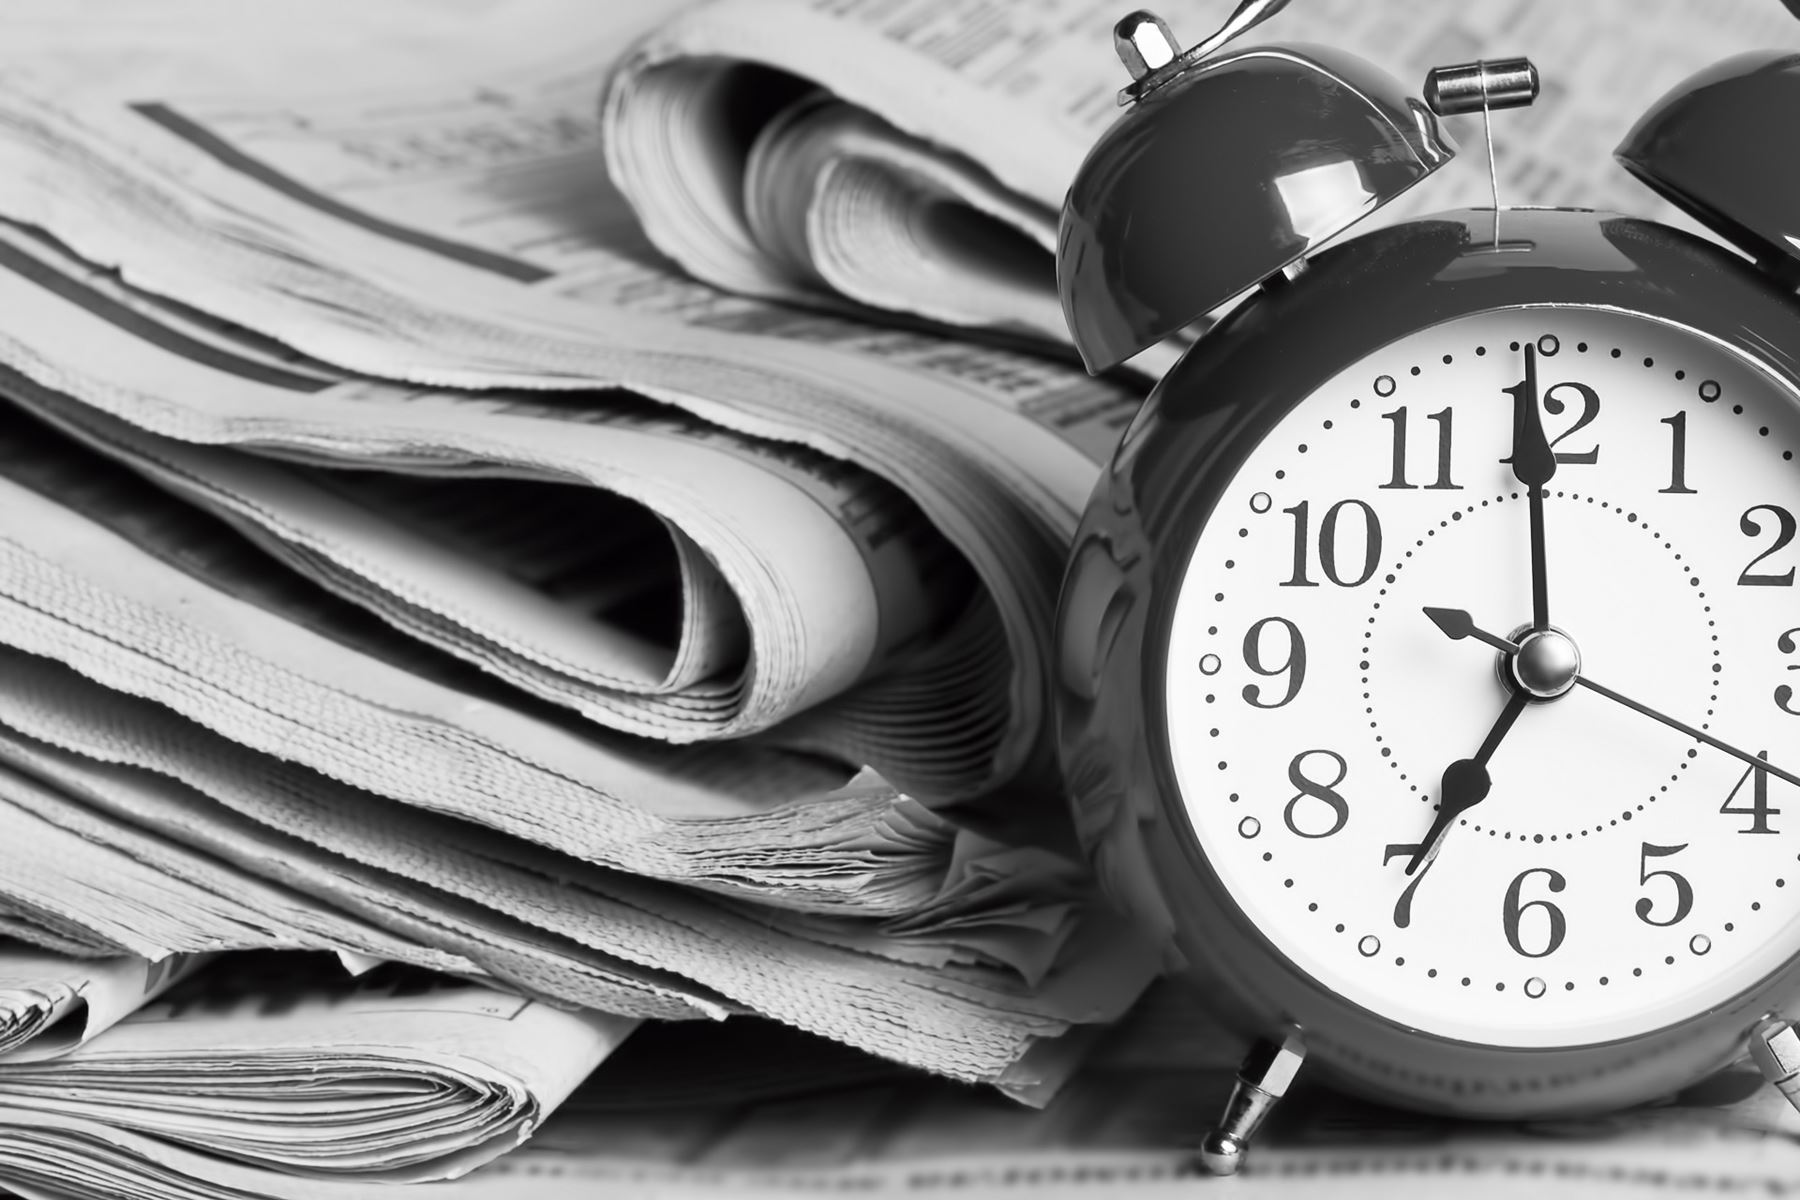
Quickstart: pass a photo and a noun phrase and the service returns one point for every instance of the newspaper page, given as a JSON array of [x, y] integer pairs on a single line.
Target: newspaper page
[[284, 1062], [52, 1003], [913, 156]]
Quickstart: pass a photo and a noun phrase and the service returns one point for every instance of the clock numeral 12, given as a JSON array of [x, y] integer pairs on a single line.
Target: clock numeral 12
[[1328, 544], [1443, 420]]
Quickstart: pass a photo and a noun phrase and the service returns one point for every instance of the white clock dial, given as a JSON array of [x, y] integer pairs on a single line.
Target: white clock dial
[[1619, 876]]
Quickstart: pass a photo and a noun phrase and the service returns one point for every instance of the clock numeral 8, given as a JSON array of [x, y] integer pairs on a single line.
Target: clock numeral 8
[[1322, 792], [1293, 666], [1512, 912], [1328, 544]]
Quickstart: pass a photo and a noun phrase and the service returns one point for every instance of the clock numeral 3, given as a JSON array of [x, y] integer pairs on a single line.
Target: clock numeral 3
[[1293, 666], [1321, 792], [1512, 913], [1759, 810], [1785, 527], [1443, 420], [1684, 891], [1784, 695], [1328, 544]]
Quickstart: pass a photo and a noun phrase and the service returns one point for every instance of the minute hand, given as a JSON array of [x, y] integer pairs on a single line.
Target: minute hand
[[1534, 465]]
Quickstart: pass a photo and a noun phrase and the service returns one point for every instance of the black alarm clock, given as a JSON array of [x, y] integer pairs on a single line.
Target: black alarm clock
[[1429, 657]]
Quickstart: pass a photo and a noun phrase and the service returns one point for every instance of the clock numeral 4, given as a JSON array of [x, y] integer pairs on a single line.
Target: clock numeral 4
[[1759, 810], [1442, 419], [1329, 529], [1785, 528], [1293, 666], [1784, 695], [1322, 793], [1512, 913], [1684, 891]]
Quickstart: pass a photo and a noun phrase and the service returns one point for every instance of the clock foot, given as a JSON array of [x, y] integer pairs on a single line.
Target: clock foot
[[1262, 1080], [1775, 1048]]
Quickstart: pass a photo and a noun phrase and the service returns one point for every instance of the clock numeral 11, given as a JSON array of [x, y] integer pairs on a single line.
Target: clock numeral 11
[[1443, 419]]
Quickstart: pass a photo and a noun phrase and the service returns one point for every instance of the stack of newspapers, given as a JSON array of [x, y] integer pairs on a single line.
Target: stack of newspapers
[[529, 542]]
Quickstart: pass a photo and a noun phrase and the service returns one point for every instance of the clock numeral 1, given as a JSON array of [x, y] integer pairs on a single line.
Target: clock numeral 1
[[1512, 912], [1785, 528], [1784, 695], [1759, 810], [1684, 891], [1328, 544], [1443, 419], [1677, 457]]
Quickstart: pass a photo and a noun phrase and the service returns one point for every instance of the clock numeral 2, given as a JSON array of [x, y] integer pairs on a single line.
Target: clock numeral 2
[[1328, 544], [1512, 912], [1443, 420], [1785, 528], [1684, 891], [1759, 810]]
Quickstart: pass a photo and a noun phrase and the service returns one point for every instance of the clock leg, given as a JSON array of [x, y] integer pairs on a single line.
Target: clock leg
[[1775, 1048], [1262, 1080]]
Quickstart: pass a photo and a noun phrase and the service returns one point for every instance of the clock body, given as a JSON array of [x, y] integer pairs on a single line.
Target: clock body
[[1255, 712]]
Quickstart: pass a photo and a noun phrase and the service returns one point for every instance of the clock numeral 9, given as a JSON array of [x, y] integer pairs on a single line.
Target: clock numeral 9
[[1293, 666], [1759, 811], [1684, 891], [1784, 695], [1513, 912], [1321, 792], [1328, 544], [1785, 528]]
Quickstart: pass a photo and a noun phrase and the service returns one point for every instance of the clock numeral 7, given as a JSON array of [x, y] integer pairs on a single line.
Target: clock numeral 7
[[1759, 810], [1328, 544], [1684, 891]]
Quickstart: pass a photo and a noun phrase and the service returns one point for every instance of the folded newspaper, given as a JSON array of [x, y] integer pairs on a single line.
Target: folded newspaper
[[502, 490]]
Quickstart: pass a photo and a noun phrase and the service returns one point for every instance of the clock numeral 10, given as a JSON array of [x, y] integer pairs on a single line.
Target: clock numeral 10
[[1443, 420], [1328, 544], [1512, 913], [1684, 891], [1759, 810]]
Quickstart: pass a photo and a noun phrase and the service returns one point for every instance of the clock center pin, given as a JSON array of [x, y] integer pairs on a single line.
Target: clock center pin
[[1546, 665]]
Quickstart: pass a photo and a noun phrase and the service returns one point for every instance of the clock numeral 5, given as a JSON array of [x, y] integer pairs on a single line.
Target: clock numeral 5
[[1328, 544], [1684, 891], [1293, 666], [1784, 695], [1759, 810], [1785, 528], [1512, 913]]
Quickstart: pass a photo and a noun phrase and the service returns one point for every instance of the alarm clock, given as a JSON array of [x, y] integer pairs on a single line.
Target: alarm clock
[[1429, 657]]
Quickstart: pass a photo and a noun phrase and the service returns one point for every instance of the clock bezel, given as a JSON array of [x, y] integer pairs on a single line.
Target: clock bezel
[[1227, 394]]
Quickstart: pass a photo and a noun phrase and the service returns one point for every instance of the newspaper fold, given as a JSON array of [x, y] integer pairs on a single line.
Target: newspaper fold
[[52, 1003]]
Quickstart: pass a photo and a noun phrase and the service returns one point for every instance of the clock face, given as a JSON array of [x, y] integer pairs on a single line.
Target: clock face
[[1617, 875]]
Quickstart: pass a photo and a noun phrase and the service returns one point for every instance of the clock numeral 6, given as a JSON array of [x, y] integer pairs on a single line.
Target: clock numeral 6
[[1759, 811], [1321, 792], [1684, 891], [1785, 528], [1328, 544], [1512, 913], [1784, 695], [1293, 665]]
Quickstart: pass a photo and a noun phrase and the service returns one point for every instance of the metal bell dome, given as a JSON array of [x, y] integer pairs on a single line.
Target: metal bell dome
[[1707, 147], [1226, 170]]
